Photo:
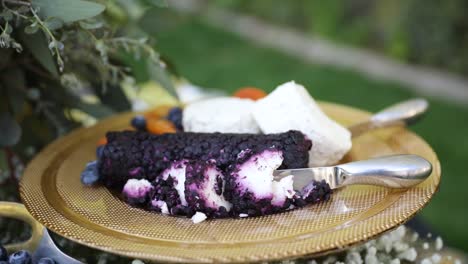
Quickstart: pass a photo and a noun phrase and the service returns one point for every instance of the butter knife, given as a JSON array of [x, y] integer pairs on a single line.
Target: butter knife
[[404, 113], [395, 171]]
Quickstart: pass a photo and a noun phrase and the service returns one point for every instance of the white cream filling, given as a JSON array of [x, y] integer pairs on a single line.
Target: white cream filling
[[256, 175], [137, 188], [161, 205], [215, 200], [178, 174], [283, 189]]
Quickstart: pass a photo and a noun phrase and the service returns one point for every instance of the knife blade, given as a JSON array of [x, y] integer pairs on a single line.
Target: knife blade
[[394, 171]]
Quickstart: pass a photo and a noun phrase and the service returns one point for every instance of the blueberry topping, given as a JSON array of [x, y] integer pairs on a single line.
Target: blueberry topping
[[175, 116], [217, 174], [316, 191], [139, 123], [46, 261], [20, 257], [99, 151], [127, 150], [90, 175]]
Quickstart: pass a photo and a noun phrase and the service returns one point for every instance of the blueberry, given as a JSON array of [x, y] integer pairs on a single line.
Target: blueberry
[[139, 123], [3, 253], [99, 151], [175, 116], [20, 257], [90, 175], [46, 261]]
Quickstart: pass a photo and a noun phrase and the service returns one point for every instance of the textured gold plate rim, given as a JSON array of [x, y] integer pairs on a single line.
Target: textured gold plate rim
[[68, 227]]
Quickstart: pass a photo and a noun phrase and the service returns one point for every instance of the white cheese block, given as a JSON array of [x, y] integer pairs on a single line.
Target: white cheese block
[[223, 114], [290, 107]]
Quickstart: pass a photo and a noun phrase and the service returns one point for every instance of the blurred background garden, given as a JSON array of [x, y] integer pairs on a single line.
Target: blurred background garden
[[362, 53]]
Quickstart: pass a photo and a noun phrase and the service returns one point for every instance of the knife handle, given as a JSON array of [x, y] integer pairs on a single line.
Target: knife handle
[[396, 171]]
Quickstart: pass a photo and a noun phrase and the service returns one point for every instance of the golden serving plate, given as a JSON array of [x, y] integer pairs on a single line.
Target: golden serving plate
[[52, 192]]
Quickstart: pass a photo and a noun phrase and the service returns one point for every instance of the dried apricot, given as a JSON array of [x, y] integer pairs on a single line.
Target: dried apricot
[[102, 141], [157, 112], [160, 126], [250, 93]]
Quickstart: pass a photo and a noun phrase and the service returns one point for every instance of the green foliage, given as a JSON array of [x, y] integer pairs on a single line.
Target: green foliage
[[66, 11], [58, 56], [6, 40], [438, 33], [325, 23], [63, 63], [36, 42], [11, 131], [427, 32], [160, 3]]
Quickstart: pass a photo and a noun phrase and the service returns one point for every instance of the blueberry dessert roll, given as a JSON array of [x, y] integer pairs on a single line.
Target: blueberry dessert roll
[[138, 155]]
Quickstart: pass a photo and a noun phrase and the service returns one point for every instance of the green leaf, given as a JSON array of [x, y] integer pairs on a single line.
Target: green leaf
[[67, 10], [31, 29], [14, 82], [6, 15], [138, 67], [53, 23], [113, 98], [160, 75], [158, 3], [91, 24], [38, 46], [96, 110], [11, 131], [23, 9], [8, 29]]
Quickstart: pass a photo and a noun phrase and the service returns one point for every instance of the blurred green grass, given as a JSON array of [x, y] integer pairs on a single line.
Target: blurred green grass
[[215, 59]]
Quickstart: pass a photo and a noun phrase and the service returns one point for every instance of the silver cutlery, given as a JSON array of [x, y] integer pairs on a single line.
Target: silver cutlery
[[47, 248], [395, 171], [404, 113], [40, 244]]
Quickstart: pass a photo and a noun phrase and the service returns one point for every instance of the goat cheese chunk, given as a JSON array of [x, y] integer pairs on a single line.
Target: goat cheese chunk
[[198, 217], [204, 189], [290, 106], [223, 114], [137, 191], [251, 187], [177, 172]]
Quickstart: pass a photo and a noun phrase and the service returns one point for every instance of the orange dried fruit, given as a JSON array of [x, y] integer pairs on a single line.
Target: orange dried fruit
[[157, 112], [250, 93], [102, 141], [160, 126]]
